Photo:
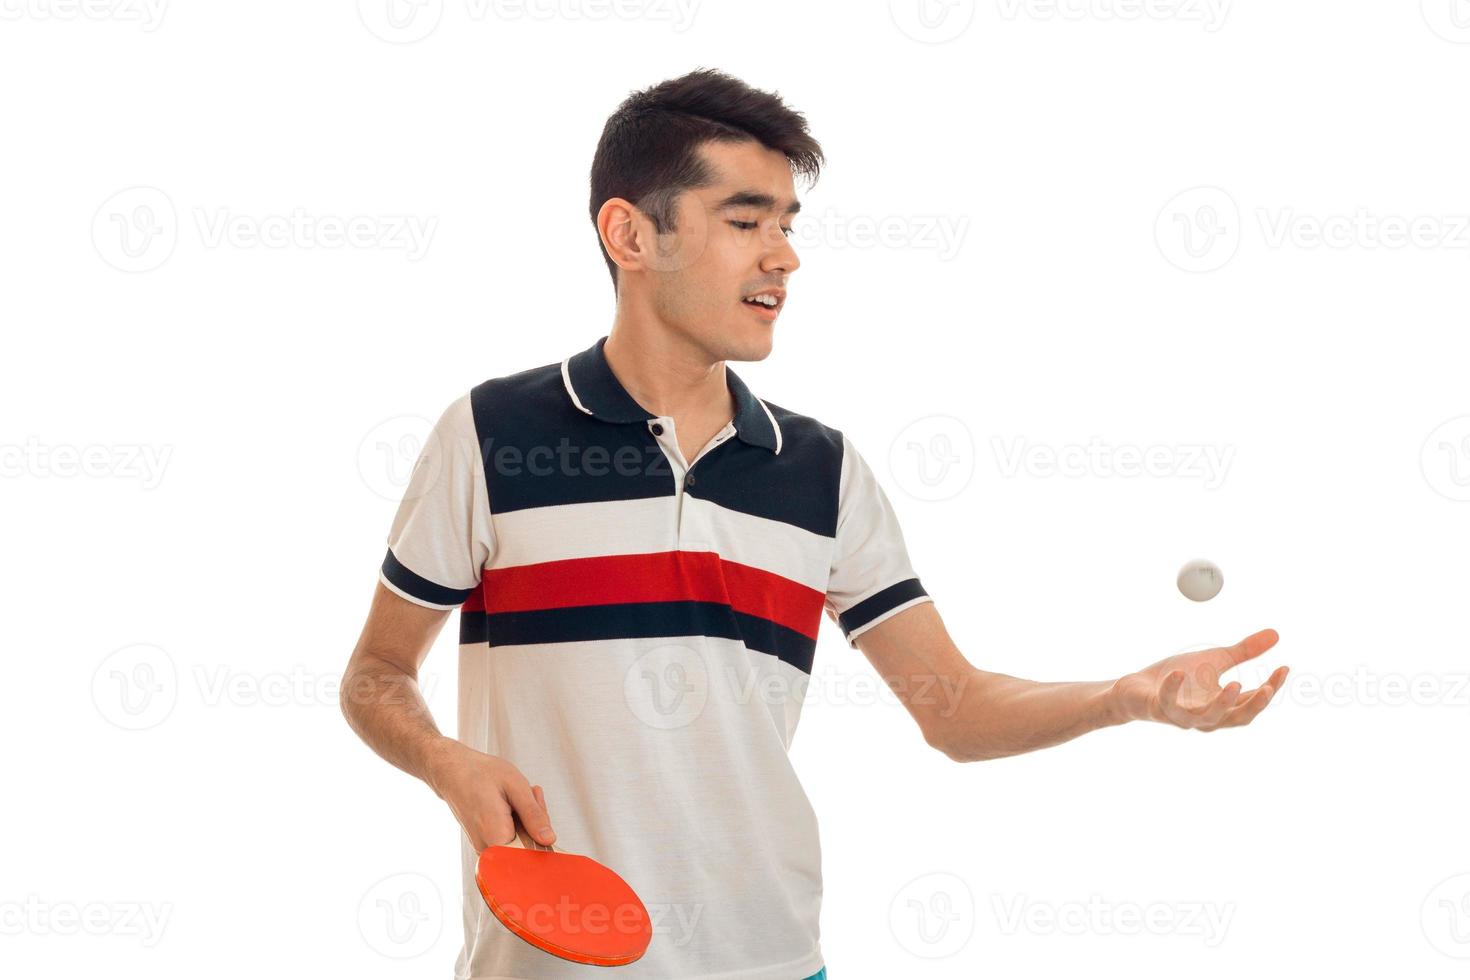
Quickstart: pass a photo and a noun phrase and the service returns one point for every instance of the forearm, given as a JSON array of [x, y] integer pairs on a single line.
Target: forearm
[[998, 715], [383, 705]]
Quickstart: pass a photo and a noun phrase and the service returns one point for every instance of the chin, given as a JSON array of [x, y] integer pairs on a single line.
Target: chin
[[750, 342]]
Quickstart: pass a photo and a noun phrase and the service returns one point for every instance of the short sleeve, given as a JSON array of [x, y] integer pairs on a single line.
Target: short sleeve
[[871, 578], [441, 540]]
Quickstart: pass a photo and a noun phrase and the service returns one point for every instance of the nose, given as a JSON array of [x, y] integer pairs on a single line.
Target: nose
[[781, 257]]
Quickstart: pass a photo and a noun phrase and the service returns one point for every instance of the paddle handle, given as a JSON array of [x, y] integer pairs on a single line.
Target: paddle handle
[[524, 839]]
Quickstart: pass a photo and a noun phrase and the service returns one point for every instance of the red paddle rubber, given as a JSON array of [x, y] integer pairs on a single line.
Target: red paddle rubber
[[566, 904]]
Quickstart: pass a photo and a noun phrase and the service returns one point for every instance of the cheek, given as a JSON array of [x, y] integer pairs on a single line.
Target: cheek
[[684, 298], [705, 288]]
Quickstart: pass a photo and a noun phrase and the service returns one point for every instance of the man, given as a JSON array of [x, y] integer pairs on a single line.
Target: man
[[641, 551]]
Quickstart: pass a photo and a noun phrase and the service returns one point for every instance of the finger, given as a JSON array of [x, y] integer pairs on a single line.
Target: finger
[[496, 827], [533, 815], [1169, 693], [1273, 685], [1253, 706], [1252, 646], [1275, 680], [1210, 715], [541, 798]]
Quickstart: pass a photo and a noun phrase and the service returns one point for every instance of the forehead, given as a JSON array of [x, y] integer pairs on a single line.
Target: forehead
[[748, 175]]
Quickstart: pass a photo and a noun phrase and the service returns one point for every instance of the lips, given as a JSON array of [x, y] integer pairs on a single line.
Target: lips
[[763, 311], [768, 311]]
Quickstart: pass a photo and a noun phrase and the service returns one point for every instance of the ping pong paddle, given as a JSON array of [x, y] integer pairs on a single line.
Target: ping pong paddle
[[566, 904]]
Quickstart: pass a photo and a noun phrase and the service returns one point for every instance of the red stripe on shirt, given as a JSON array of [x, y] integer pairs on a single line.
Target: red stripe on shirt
[[664, 576]]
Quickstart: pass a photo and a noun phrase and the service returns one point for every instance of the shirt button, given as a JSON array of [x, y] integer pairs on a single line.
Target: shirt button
[[689, 480], [658, 430]]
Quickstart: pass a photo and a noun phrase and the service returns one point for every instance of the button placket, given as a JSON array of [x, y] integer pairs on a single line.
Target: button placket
[[664, 435], [667, 441]]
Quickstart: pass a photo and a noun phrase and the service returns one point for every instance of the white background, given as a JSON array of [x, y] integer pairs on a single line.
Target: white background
[[1189, 228]]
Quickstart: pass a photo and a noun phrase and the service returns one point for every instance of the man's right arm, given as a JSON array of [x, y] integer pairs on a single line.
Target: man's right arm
[[381, 701]]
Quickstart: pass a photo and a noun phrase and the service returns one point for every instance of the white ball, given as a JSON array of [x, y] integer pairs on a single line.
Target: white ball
[[1200, 580]]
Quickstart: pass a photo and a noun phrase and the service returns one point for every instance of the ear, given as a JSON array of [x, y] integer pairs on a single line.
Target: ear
[[635, 246], [624, 231]]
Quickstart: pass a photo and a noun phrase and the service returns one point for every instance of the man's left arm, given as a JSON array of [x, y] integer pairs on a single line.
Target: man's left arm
[[972, 714]]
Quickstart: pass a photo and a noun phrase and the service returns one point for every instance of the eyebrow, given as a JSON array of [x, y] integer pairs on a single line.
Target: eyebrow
[[755, 199]]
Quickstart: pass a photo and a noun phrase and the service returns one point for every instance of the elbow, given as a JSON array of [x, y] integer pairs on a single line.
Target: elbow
[[949, 725], [346, 699], [942, 739]]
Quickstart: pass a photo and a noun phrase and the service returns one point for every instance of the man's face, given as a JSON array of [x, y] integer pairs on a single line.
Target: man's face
[[731, 243]]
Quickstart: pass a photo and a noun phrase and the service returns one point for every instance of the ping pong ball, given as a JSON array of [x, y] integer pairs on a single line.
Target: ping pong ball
[[1200, 580]]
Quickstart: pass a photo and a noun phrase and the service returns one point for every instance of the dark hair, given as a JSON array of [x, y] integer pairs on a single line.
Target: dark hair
[[648, 153]]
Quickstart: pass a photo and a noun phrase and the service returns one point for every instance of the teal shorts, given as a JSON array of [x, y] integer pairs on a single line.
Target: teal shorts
[[819, 975]]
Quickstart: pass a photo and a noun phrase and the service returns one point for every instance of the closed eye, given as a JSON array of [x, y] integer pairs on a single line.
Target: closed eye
[[751, 226]]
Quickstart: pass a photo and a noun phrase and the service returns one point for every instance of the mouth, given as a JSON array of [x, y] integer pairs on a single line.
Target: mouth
[[766, 304]]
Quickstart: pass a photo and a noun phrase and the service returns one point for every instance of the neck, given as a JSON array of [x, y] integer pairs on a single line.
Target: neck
[[667, 373]]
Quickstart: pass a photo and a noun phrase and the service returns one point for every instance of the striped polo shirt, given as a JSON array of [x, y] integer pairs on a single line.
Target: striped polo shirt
[[637, 633]]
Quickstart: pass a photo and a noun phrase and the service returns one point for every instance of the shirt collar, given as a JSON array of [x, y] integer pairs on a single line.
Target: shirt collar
[[595, 390]]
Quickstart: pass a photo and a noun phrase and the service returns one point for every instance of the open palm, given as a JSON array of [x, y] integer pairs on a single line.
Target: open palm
[[1184, 690]]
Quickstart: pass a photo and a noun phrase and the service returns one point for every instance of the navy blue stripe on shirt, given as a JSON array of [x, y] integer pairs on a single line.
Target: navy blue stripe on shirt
[[419, 587], [472, 628], [879, 603], [638, 619], [538, 450]]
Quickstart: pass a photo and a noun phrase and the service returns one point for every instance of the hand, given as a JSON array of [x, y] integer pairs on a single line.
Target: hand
[[1184, 690], [486, 794]]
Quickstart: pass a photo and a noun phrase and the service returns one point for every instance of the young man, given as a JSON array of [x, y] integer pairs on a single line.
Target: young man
[[641, 551]]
